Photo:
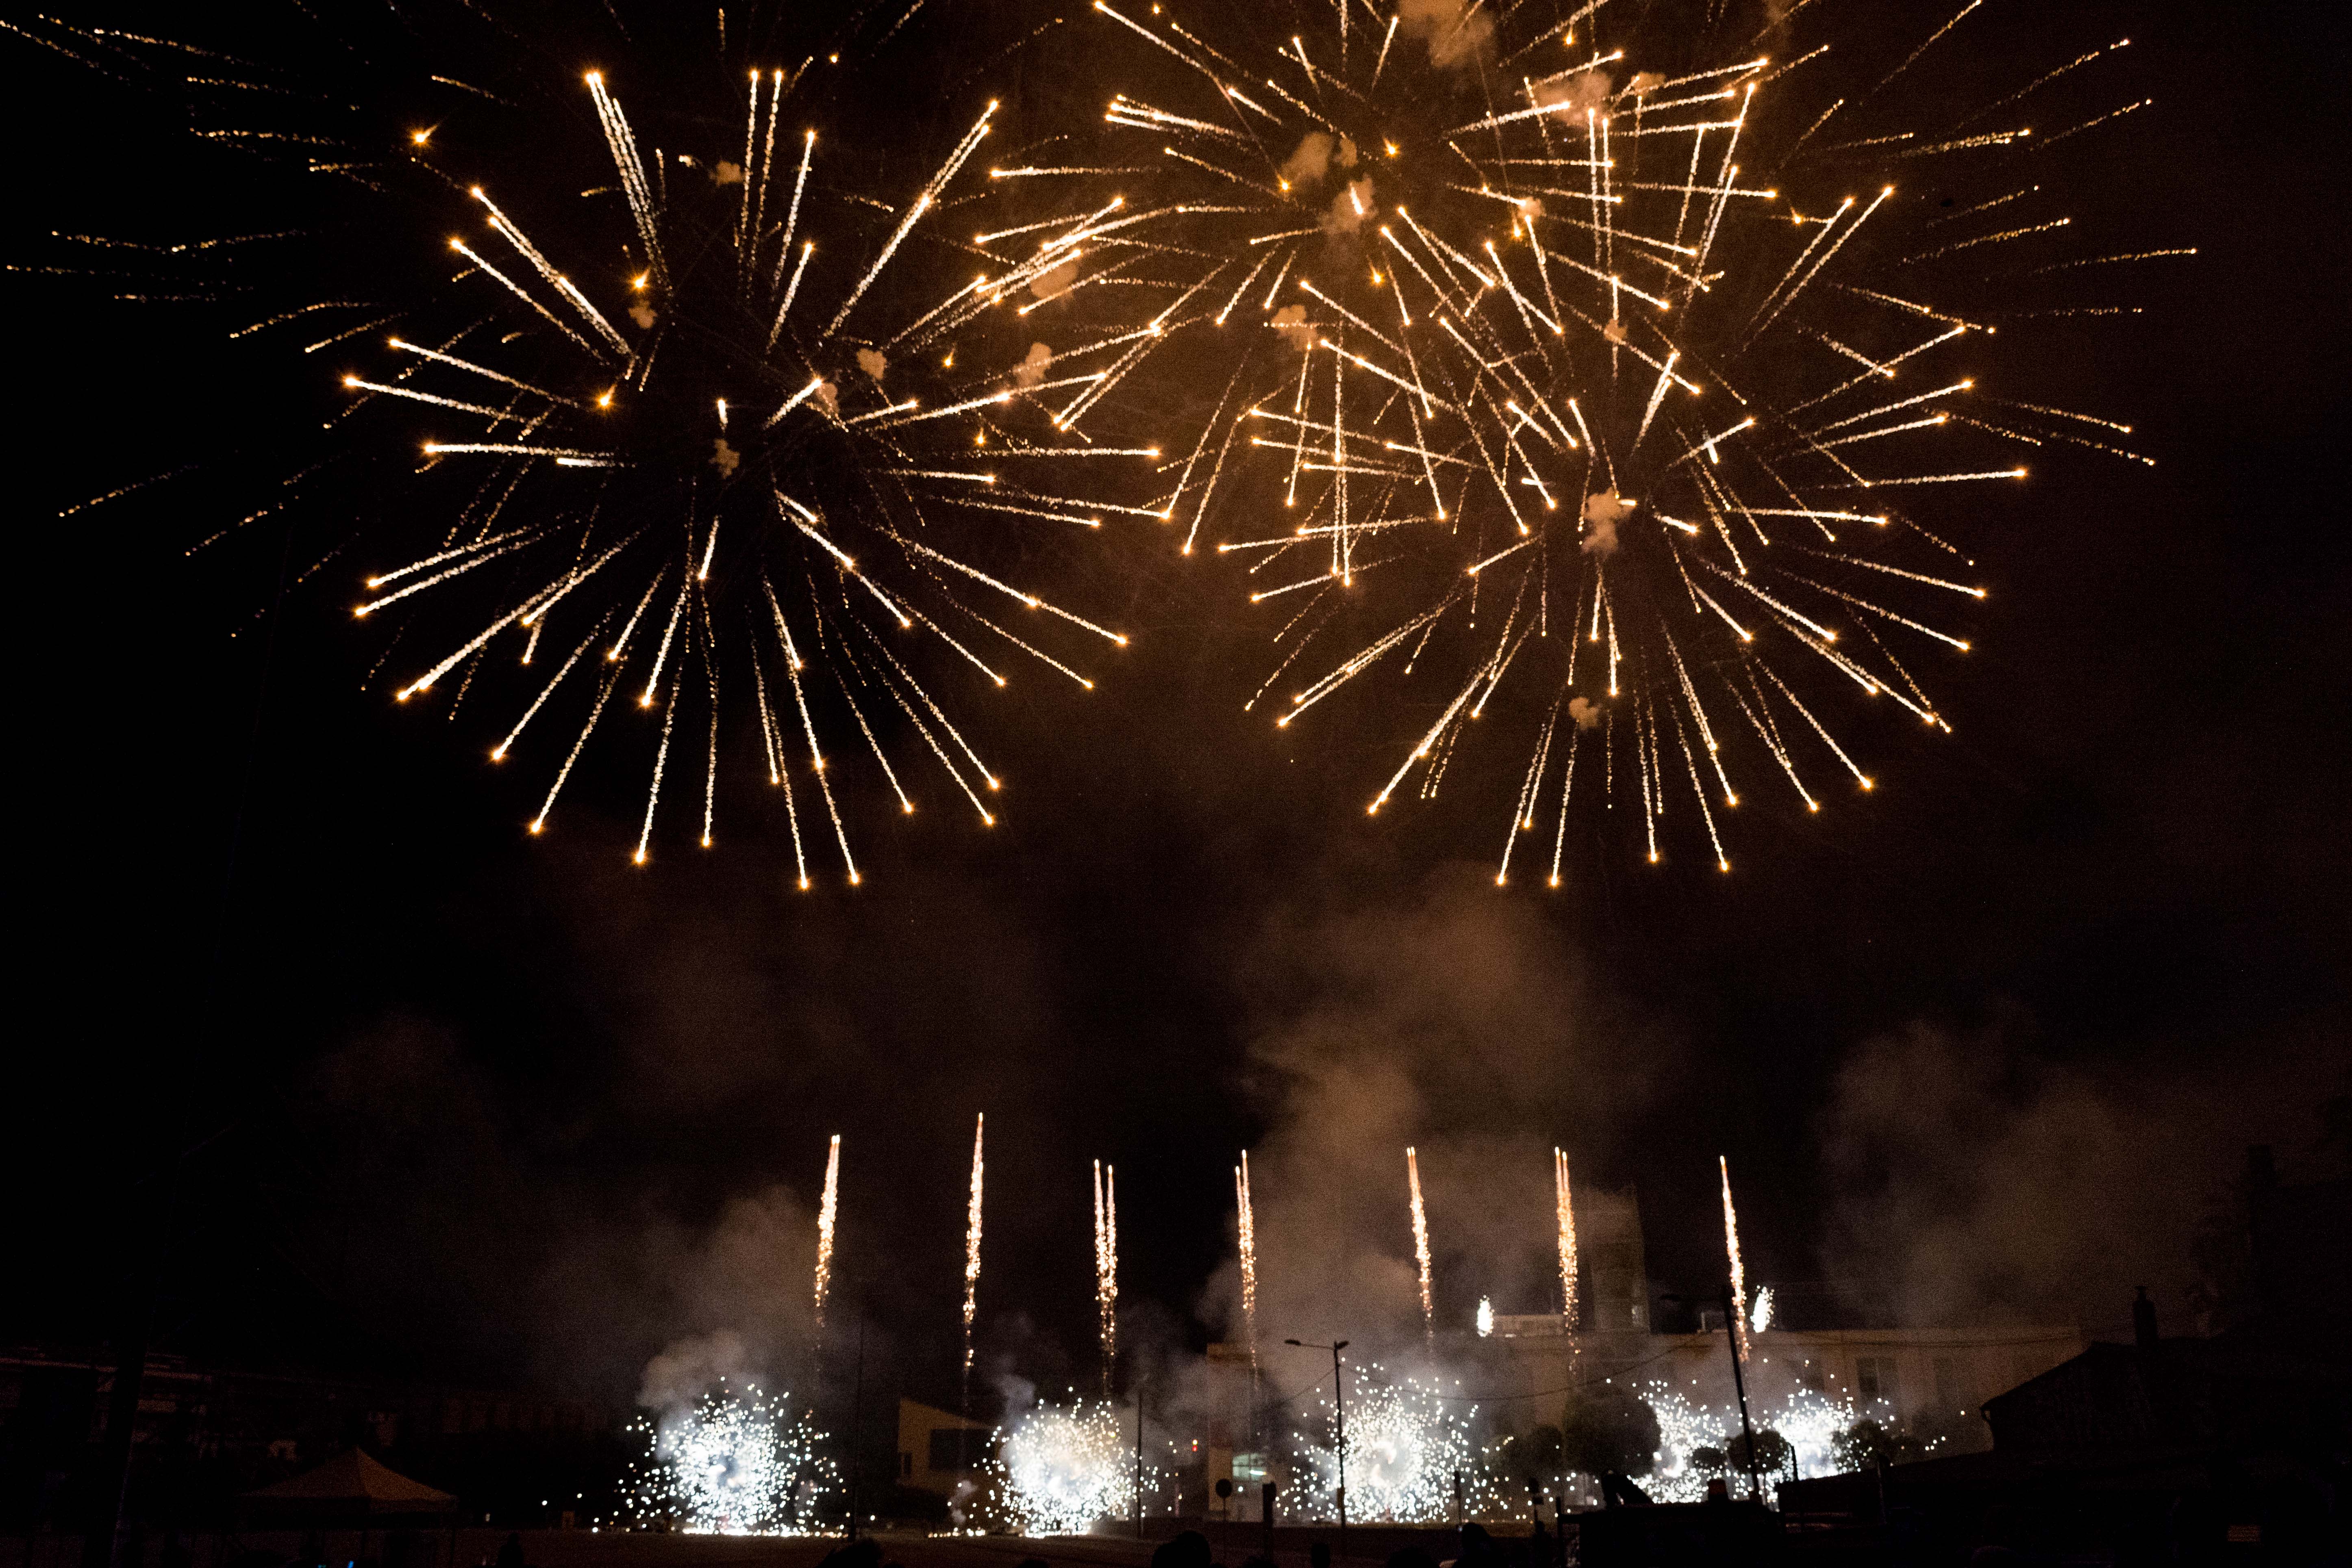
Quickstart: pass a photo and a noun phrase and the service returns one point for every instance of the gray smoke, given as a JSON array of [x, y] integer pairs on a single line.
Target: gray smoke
[[1981, 1182], [1452, 1020]]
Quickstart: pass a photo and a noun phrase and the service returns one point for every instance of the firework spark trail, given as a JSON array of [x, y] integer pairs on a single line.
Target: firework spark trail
[[1564, 1213], [1246, 1230], [1106, 1267], [972, 1250], [1738, 1273], [825, 1212], [1421, 1247], [1695, 229]]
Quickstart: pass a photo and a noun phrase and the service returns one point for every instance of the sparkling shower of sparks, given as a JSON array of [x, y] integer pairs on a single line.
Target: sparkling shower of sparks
[[1421, 1246], [1738, 1273], [1759, 1317], [735, 1464], [826, 1209], [1475, 290], [1060, 1469], [1408, 1440]]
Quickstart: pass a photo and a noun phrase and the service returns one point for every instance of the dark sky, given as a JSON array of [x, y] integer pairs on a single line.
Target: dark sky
[[379, 1079]]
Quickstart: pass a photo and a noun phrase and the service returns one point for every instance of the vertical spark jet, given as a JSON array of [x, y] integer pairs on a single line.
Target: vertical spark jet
[[825, 1215], [1421, 1247], [1564, 1210], [1248, 1239], [1731, 1252], [971, 1251], [1106, 1265]]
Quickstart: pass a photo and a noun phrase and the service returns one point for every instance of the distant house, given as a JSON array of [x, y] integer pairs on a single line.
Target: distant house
[[940, 1450]]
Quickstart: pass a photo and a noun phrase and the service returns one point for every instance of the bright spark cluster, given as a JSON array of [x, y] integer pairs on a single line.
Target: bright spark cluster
[[737, 1463], [1062, 1467], [1406, 1447]]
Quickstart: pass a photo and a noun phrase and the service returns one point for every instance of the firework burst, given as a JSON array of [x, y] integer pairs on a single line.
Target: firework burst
[[1613, 364], [676, 425]]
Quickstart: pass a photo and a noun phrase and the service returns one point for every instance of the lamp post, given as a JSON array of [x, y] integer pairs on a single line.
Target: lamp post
[[1340, 1409]]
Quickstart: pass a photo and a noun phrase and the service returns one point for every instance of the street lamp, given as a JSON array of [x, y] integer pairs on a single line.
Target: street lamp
[[1340, 1407]]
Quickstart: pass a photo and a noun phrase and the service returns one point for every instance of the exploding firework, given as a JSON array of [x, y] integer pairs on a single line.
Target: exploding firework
[[1062, 1468], [675, 431], [1564, 1213], [1421, 1246], [1738, 1298], [826, 1209], [1107, 1266], [1659, 323], [971, 1246], [1408, 1446], [736, 1464]]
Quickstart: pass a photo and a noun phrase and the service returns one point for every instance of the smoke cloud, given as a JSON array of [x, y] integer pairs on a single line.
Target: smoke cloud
[[1031, 371], [1454, 1021], [1291, 323], [1602, 511], [1981, 1182], [1457, 34]]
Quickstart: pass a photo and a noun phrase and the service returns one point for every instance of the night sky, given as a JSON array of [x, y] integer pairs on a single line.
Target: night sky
[[310, 1030]]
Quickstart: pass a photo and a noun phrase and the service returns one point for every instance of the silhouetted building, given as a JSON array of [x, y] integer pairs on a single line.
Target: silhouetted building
[[940, 1452]]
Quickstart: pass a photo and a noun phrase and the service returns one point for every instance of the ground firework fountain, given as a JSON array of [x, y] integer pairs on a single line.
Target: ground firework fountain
[[1408, 1443], [737, 1463], [1062, 1468]]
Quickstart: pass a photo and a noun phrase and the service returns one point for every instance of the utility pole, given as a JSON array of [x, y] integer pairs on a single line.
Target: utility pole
[[1340, 1410], [1740, 1386]]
